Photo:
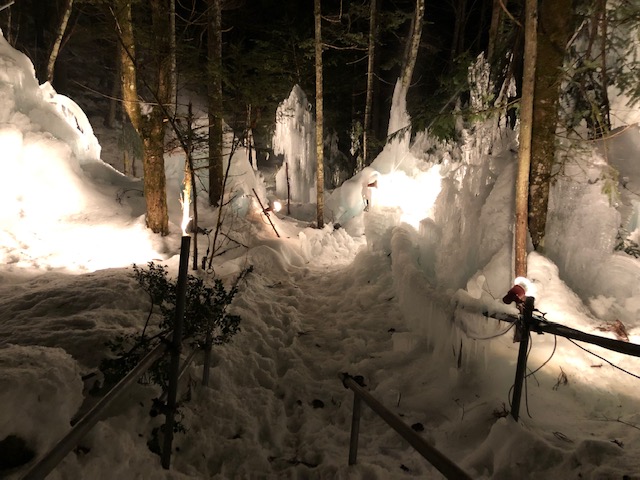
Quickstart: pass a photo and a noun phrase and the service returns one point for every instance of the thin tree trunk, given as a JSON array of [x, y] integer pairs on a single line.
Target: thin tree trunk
[[412, 46], [526, 121], [173, 88], [110, 118], [192, 180], [214, 39], [606, 117], [127, 54], [366, 130], [319, 115], [55, 49], [496, 16], [458, 29], [552, 37]]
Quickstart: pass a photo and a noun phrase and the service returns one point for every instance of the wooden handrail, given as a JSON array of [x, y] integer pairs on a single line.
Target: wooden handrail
[[541, 325], [443, 464], [47, 463]]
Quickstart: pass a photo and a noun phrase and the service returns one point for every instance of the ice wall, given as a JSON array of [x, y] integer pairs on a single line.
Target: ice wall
[[294, 138]]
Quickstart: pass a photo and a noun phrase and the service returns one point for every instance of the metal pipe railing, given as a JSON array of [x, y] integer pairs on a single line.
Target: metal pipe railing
[[158, 407], [47, 463], [445, 466]]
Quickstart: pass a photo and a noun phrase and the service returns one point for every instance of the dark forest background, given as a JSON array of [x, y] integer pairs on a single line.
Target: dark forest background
[[267, 49]]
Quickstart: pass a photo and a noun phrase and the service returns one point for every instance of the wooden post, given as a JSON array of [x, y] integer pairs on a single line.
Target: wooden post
[[443, 464], [176, 347], [524, 329], [265, 212], [286, 166], [208, 344], [355, 429]]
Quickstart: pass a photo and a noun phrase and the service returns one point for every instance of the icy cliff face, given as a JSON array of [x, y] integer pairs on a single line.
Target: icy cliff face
[[294, 138], [59, 207], [42, 155]]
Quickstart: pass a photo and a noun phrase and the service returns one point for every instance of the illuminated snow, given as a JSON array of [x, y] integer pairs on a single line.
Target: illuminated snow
[[401, 305]]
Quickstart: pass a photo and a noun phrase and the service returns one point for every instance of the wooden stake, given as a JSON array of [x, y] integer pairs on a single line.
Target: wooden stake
[[266, 214]]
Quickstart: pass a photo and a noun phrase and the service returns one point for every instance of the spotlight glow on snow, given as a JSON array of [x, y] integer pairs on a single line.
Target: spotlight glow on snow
[[415, 196], [61, 205], [186, 202]]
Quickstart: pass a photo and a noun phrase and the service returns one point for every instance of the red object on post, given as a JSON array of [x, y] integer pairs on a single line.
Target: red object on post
[[517, 294]]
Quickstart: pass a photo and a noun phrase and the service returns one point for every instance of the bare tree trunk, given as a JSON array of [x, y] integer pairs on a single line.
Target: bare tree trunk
[[173, 88], [366, 130], [154, 177], [110, 117], [155, 187], [127, 55], [496, 16], [606, 107], [552, 37], [151, 129], [460, 9], [319, 115], [55, 49], [412, 46], [189, 174], [214, 39], [526, 122]]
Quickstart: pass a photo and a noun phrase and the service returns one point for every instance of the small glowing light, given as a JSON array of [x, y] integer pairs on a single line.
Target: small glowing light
[[277, 206], [522, 288], [530, 289]]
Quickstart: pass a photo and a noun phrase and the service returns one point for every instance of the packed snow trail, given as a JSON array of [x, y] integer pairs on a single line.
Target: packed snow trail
[[301, 327]]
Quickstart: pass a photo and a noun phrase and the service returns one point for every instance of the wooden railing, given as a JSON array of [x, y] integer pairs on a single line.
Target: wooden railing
[[40, 470], [528, 322], [82, 425], [445, 466]]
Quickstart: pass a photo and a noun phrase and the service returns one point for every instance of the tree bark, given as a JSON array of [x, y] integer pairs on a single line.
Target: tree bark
[[151, 128], [552, 37], [55, 49], [496, 17], [173, 88], [606, 107], [154, 177], [366, 130], [457, 46], [526, 121], [153, 160], [319, 115], [127, 54], [412, 46], [214, 45]]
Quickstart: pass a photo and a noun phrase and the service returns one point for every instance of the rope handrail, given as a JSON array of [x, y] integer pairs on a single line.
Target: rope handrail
[[442, 463], [47, 463]]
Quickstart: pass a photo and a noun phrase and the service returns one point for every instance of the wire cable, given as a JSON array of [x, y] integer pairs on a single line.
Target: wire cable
[[555, 344], [604, 359], [492, 336]]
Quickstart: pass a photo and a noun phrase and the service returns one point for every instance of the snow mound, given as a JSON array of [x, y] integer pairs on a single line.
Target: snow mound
[[40, 391]]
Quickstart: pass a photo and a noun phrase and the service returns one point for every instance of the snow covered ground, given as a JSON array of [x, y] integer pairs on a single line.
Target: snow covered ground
[[395, 295]]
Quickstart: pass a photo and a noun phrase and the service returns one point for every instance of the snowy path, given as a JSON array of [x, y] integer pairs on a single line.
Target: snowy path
[[300, 329]]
